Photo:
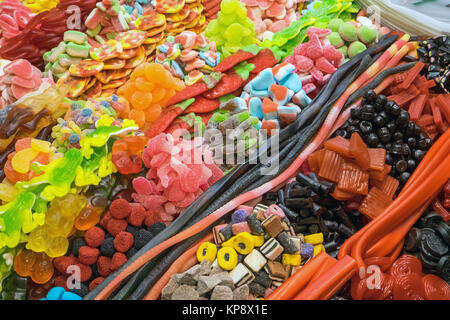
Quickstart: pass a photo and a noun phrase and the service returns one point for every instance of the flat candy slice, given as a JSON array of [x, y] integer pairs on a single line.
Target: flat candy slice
[[131, 39], [20, 67], [24, 83], [18, 91], [150, 21], [109, 50], [86, 68], [169, 6]]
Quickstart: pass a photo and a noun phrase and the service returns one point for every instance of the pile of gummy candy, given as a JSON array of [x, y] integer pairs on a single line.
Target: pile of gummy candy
[[134, 139]]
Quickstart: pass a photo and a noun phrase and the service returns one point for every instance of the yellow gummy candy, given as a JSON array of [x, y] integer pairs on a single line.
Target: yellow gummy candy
[[40, 145], [291, 259], [244, 243], [207, 251], [315, 238], [318, 249], [21, 160]]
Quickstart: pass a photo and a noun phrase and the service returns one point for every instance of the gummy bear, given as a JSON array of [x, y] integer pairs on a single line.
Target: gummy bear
[[38, 266], [51, 238], [232, 29], [126, 154]]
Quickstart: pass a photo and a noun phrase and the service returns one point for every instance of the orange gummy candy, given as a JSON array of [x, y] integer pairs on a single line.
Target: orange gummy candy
[[158, 94], [144, 85], [141, 100], [152, 113], [138, 116]]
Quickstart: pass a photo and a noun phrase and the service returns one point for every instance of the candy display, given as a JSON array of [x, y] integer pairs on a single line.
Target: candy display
[[223, 150]]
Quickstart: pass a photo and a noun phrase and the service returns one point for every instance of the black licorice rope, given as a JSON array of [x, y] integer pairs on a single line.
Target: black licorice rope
[[207, 197]]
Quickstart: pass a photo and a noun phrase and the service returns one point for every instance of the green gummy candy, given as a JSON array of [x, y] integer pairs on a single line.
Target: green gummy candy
[[47, 55], [254, 121], [94, 32], [367, 34], [111, 35], [75, 36], [55, 52], [356, 48], [57, 68], [344, 51], [219, 117], [335, 24], [348, 32], [14, 216], [243, 116], [336, 40], [78, 50]]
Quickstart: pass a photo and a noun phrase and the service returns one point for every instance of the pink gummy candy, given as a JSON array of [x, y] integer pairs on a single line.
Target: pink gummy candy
[[319, 32], [174, 192], [18, 92], [24, 83], [332, 54], [315, 50], [324, 65], [301, 49], [142, 186], [303, 63], [20, 67]]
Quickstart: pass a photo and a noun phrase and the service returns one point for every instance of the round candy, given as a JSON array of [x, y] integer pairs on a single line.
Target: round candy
[[348, 32], [356, 48], [244, 243], [207, 251], [227, 258], [86, 68]]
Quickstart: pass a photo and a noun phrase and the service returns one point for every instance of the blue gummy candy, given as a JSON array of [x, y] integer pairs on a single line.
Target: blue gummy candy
[[55, 293], [255, 106], [293, 82], [74, 138], [264, 80], [70, 296], [105, 103], [86, 112], [177, 69], [114, 97]]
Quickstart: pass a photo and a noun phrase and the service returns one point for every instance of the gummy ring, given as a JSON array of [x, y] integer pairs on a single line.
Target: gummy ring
[[207, 251], [405, 265], [244, 243], [435, 288], [409, 287], [227, 258]]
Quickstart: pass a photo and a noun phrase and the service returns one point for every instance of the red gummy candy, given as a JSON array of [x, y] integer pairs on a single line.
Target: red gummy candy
[[94, 237], [317, 74], [232, 60], [173, 192], [300, 50], [123, 241], [332, 54], [142, 185], [120, 209], [202, 105], [324, 65], [264, 59], [303, 63], [314, 49], [188, 92], [229, 83], [137, 216]]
